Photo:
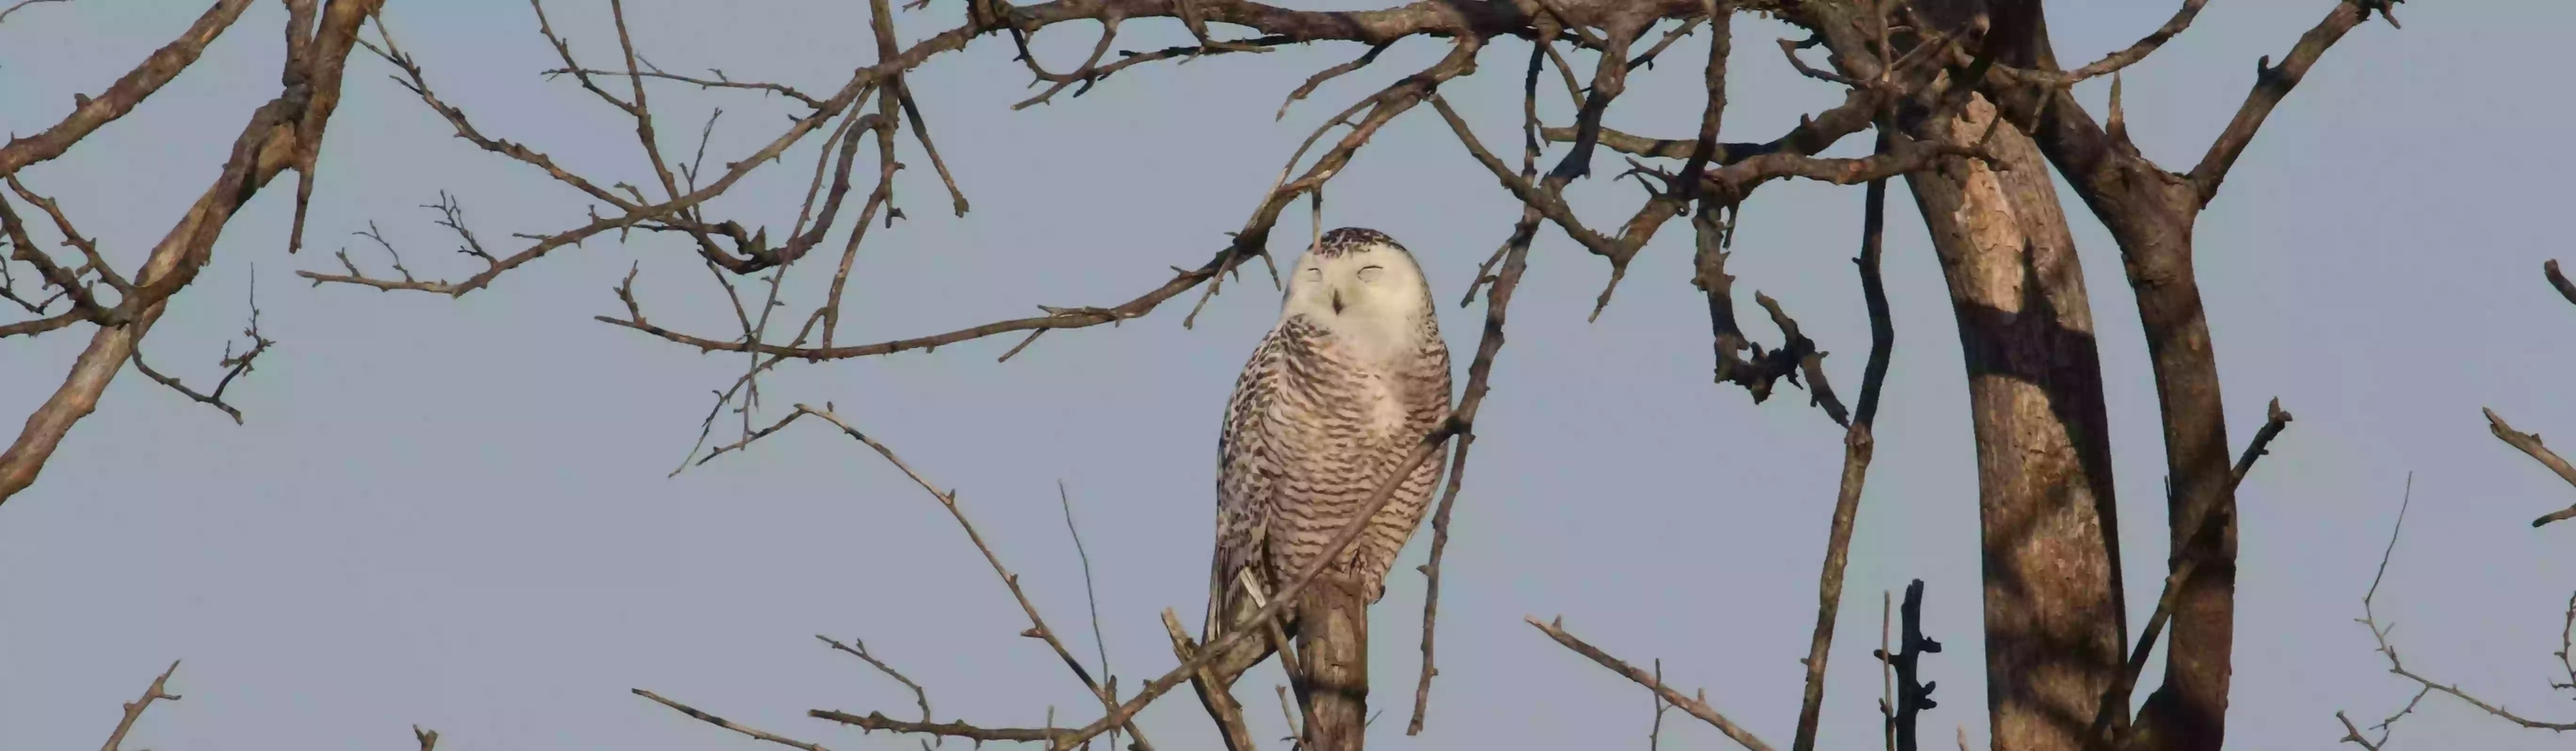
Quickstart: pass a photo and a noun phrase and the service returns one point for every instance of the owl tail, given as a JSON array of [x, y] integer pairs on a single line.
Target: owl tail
[[1233, 601]]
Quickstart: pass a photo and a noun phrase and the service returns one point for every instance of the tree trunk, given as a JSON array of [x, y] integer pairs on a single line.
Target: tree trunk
[[2055, 628], [2056, 631], [2150, 212], [1332, 649]]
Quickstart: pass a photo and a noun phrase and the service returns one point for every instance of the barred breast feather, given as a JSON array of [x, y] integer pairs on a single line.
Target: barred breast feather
[[1310, 433]]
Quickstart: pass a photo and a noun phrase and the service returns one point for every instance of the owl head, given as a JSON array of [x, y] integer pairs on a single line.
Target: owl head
[[1361, 285]]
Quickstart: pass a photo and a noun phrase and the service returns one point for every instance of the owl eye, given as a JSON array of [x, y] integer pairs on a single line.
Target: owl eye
[[1371, 273]]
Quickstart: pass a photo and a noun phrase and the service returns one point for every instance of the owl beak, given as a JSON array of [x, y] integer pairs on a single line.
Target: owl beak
[[1337, 302]]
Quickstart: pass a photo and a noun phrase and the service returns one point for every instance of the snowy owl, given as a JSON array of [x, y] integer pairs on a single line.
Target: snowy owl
[[1336, 397]]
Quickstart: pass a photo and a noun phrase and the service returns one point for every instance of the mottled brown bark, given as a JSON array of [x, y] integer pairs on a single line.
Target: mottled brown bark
[[2055, 630]]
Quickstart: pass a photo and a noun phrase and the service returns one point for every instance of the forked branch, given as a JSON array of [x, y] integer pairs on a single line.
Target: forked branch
[[2426, 686]]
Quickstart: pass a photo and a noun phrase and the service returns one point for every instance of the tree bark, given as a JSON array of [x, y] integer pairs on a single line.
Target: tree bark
[[1332, 649], [2150, 213], [281, 135], [2055, 628]]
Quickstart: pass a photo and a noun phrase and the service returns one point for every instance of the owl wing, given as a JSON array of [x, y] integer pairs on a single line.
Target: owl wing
[[1250, 462]]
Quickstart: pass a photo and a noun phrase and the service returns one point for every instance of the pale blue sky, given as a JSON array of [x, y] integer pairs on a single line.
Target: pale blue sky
[[453, 512]]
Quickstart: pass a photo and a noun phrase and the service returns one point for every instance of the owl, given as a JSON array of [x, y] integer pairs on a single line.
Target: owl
[[1337, 396]]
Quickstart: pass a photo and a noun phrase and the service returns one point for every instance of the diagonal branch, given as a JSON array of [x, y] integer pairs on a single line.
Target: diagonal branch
[[948, 500], [270, 143], [2529, 443], [130, 90], [1498, 300], [1697, 707], [1858, 448], [860, 650], [2109, 719], [2114, 62], [2271, 83], [134, 709], [693, 712]]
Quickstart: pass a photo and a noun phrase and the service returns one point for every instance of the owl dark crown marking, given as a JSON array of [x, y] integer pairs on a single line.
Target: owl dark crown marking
[[1347, 239]]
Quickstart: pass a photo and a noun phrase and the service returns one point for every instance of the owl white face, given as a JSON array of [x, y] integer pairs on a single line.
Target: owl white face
[[1363, 287]]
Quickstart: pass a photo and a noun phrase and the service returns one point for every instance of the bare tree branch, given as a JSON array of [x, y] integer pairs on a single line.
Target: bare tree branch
[[134, 709], [1697, 707], [2529, 443], [13, 8], [120, 98], [234, 365], [948, 500], [2272, 82], [2369, 619], [1858, 447], [274, 140], [859, 649], [755, 733]]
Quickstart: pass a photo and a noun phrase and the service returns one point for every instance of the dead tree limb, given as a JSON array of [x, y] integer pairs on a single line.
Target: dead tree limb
[[281, 135]]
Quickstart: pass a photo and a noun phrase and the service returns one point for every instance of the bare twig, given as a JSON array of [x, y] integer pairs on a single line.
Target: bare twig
[[2273, 421], [2112, 63], [2353, 734], [1090, 595], [13, 8], [1655, 732], [878, 721], [1497, 303], [234, 365], [2379, 634], [719, 82], [755, 733], [2109, 719], [1694, 706], [948, 500], [859, 649], [134, 709]]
